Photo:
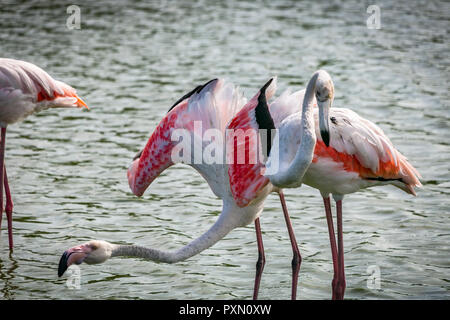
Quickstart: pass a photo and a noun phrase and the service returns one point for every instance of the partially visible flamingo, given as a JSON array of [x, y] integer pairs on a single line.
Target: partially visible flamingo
[[356, 155], [26, 89], [218, 106]]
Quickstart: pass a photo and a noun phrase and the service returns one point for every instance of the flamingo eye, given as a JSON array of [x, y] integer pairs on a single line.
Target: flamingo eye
[[319, 96]]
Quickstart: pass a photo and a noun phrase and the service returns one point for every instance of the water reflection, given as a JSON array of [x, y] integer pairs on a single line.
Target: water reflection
[[7, 269]]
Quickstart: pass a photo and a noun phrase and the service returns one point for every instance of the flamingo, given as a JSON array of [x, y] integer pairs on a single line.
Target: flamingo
[[24, 90], [218, 105], [349, 153]]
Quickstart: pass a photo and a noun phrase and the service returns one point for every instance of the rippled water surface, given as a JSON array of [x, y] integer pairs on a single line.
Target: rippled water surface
[[132, 59]]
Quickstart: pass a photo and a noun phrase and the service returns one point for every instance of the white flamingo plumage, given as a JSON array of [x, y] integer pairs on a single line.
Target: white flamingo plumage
[[359, 155], [26, 89], [216, 105]]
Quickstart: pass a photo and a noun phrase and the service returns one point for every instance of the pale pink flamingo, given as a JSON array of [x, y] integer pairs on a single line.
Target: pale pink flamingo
[[26, 89], [216, 105], [355, 155]]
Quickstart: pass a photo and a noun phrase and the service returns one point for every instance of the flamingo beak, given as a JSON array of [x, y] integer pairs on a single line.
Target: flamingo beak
[[324, 120], [68, 258]]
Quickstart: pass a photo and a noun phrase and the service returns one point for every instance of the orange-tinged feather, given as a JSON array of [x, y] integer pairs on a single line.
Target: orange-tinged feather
[[387, 170]]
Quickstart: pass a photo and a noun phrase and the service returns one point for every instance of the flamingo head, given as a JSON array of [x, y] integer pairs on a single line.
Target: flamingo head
[[64, 97], [324, 92], [92, 252]]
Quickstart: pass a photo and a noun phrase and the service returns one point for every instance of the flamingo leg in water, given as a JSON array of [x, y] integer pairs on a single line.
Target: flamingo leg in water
[[8, 210], [341, 273], [261, 259], [2, 170], [4, 180], [297, 258], [334, 252]]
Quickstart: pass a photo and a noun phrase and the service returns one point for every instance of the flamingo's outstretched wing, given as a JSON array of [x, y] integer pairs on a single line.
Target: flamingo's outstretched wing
[[245, 147], [210, 106], [26, 88], [361, 146]]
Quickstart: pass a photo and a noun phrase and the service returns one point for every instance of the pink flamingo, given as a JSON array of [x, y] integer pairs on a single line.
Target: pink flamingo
[[216, 105], [355, 155], [26, 89]]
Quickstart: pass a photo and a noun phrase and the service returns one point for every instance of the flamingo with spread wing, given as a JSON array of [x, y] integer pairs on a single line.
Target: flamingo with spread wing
[[215, 105]]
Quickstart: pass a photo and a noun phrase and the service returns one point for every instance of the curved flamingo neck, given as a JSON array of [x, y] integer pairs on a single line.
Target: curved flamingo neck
[[218, 230], [293, 175]]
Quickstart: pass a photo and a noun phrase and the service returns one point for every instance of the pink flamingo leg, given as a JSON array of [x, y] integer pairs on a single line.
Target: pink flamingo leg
[[8, 211], [2, 170], [297, 258], [334, 252], [261, 259], [1, 214], [341, 274], [4, 179]]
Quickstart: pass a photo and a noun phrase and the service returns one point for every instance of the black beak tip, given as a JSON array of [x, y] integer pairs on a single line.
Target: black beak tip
[[325, 137], [62, 267]]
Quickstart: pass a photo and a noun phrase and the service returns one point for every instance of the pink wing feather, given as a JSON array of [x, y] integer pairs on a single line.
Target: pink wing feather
[[245, 165], [213, 105]]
